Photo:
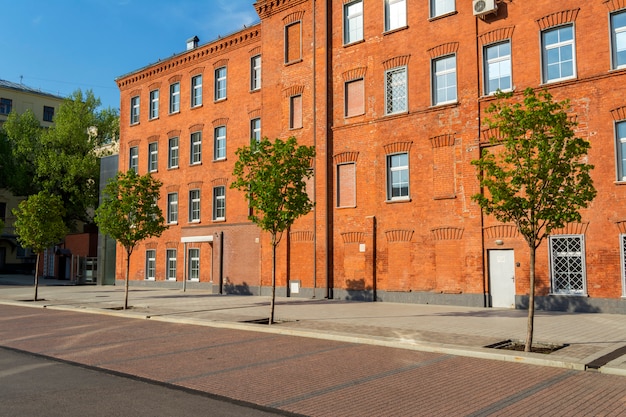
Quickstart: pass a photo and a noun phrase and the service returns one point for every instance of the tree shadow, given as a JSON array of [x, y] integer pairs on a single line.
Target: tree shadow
[[236, 289], [358, 291], [564, 303]]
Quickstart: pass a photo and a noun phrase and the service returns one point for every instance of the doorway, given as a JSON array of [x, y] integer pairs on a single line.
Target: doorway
[[502, 277]]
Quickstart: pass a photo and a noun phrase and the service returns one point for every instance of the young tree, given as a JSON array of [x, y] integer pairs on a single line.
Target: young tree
[[272, 177], [39, 225], [129, 212], [536, 176]]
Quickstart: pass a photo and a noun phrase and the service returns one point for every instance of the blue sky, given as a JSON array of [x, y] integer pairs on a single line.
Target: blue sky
[[59, 46]]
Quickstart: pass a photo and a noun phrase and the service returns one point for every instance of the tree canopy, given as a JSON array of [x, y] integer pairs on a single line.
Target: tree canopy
[[536, 174]]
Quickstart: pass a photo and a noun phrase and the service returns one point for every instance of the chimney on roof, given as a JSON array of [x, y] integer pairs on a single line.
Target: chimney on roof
[[192, 43]]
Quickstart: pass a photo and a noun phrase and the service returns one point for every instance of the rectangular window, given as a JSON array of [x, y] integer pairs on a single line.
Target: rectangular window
[[48, 113], [154, 104], [194, 264], [172, 154], [255, 72], [219, 203], [172, 208], [153, 157], [175, 98], [355, 98], [558, 60], [194, 206], [444, 80], [353, 22], [622, 242], [196, 148], [134, 110], [255, 130], [6, 105], [295, 112], [618, 39], [196, 91], [567, 264], [220, 83], [620, 148], [441, 7], [133, 161], [497, 66], [170, 268], [346, 185], [219, 148], [396, 90], [293, 45], [398, 176], [150, 264], [395, 14]]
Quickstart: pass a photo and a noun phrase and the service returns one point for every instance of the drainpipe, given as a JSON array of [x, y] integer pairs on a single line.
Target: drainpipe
[[221, 275], [314, 159], [184, 266], [328, 148]]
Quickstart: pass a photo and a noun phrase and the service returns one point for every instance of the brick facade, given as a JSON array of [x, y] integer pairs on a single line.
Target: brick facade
[[396, 115]]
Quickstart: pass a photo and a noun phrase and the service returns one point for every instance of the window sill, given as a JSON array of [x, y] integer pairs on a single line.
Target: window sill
[[134, 124], [399, 200], [345, 207], [297, 61], [194, 222], [619, 182], [352, 116], [197, 106], [442, 16], [149, 279], [153, 119], [172, 113], [219, 159], [391, 31], [174, 167], [195, 164], [398, 113], [220, 220], [173, 223], [568, 294], [219, 100], [559, 80], [256, 90], [296, 128], [347, 45]]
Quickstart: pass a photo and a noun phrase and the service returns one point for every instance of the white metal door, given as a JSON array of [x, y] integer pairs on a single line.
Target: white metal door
[[502, 278]]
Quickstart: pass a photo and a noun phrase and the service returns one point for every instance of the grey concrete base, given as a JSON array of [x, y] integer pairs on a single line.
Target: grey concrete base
[[574, 304]]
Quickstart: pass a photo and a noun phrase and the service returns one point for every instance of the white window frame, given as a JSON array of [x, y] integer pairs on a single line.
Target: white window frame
[[546, 51], [193, 266], [150, 265], [153, 157], [441, 7], [620, 150], [173, 155], [220, 83], [174, 98], [391, 169], [395, 14], [154, 104], [501, 62], [196, 90], [352, 22], [255, 129], [392, 95], [292, 107], [133, 162], [219, 143], [618, 38], [558, 257], [194, 206], [172, 208], [195, 156], [255, 73], [134, 110], [170, 264], [440, 78], [219, 203]]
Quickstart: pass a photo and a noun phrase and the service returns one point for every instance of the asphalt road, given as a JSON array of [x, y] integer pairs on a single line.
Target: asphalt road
[[36, 386]]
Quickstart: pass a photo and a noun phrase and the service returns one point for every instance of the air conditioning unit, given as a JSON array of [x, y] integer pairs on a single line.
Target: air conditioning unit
[[483, 7]]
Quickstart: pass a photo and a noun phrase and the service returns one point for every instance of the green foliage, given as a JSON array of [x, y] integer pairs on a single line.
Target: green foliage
[[272, 176], [538, 177], [39, 221], [129, 212]]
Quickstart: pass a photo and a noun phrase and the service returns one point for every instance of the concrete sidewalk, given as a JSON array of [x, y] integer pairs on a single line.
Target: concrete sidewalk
[[593, 341]]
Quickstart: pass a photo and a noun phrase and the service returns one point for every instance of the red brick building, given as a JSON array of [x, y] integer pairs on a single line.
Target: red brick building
[[392, 94]]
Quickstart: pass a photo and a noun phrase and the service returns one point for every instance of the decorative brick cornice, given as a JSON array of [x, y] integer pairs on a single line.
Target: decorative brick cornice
[[496, 35], [354, 74], [619, 113], [442, 140], [294, 90], [155, 85], [134, 142], [293, 17], [254, 114], [396, 61], [397, 147], [220, 63], [621, 225], [175, 78], [171, 244], [558, 18], [173, 134], [501, 231], [151, 245], [153, 138], [571, 229], [222, 121], [135, 92], [615, 5], [196, 128], [353, 237], [443, 49], [491, 136], [172, 188], [345, 157], [219, 181], [399, 235], [301, 236], [267, 8], [195, 184], [447, 233], [196, 71], [255, 51]]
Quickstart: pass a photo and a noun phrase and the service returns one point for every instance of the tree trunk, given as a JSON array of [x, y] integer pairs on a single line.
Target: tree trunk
[[36, 276], [126, 281], [273, 280], [531, 301]]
